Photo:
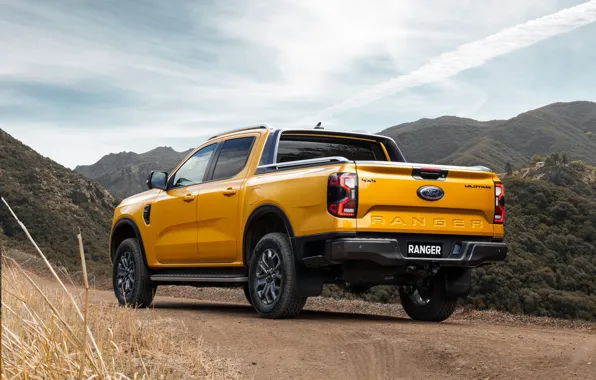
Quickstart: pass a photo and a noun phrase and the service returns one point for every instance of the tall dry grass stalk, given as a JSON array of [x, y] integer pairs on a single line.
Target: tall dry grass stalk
[[99, 362], [46, 336], [86, 283]]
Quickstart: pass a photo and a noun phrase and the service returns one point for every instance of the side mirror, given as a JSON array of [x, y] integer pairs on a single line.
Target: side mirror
[[157, 180]]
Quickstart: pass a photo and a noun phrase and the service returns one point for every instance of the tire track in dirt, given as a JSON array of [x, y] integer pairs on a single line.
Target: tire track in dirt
[[374, 360], [372, 357]]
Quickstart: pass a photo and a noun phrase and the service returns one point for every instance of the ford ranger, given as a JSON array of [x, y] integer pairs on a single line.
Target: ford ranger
[[280, 213]]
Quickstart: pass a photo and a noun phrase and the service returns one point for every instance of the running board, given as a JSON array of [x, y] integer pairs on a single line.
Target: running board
[[197, 278]]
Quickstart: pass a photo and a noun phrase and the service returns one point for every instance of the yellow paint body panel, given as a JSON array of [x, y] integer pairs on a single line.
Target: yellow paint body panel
[[391, 203], [208, 230], [302, 195]]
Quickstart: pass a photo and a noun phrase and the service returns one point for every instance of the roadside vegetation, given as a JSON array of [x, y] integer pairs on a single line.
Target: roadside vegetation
[[52, 331], [43, 338], [551, 228], [54, 202]]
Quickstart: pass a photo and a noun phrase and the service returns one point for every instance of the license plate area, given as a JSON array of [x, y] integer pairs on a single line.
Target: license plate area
[[424, 249]]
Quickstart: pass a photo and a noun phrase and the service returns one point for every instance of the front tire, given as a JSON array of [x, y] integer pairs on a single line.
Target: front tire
[[130, 276], [428, 303], [272, 278], [246, 289]]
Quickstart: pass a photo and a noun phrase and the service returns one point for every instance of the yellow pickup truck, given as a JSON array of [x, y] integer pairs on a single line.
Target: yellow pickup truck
[[282, 212]]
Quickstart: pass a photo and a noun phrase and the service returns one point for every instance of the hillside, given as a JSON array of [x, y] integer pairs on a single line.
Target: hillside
[[125, 173], [568, 127], [448, 133], [53, 202], [551, 228]]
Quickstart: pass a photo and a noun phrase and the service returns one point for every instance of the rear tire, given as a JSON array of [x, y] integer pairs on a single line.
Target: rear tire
[[357, 288], [272, 278], [130, 276], [429, 303]]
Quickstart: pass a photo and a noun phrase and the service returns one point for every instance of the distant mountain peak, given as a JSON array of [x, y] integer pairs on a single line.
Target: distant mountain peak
[[162, 149], [125, 173]]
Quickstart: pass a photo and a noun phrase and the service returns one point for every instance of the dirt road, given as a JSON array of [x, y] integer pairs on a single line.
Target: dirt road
[[373, 344]]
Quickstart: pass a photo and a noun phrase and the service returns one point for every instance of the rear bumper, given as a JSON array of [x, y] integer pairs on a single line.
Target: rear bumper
[[387, 252]]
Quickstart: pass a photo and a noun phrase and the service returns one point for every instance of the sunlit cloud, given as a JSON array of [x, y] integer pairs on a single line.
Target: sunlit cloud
[[474, 54]]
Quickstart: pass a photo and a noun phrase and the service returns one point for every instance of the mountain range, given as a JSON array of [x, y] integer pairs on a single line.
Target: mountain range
[[559, 127], [125, 173]]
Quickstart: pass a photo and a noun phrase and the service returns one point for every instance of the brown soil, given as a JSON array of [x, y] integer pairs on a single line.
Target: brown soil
[[356, 340]]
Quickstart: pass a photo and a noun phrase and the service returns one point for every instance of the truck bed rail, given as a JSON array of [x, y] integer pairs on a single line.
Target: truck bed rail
[[300, 164]]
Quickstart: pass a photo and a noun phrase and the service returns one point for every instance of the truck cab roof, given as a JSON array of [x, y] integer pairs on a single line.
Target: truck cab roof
[[276, 133]]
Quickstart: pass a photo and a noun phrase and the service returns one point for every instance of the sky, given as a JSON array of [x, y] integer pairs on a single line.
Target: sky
[[82, 79]]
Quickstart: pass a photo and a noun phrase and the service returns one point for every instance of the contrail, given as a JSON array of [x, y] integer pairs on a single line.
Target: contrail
[[474, 54]]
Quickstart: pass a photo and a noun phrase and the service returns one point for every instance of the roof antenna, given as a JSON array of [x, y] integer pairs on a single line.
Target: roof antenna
[[319, 126]]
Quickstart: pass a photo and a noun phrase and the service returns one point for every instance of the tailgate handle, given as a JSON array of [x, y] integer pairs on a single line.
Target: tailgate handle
[[429, 173]]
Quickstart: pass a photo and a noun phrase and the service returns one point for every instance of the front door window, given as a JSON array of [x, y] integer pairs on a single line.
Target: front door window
[[194, 169]]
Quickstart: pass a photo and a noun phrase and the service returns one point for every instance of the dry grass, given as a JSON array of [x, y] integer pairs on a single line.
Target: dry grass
[[42, 336], [46, 336]]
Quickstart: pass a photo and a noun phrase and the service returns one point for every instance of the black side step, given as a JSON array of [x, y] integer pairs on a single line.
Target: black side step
[[195, 278], [201, 275]]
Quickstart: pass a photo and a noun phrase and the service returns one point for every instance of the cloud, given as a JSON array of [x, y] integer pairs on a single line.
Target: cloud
[[474, 54], [117, 76]]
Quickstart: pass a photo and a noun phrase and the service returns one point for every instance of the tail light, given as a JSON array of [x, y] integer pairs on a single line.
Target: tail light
[[342, 195], [499, 203]]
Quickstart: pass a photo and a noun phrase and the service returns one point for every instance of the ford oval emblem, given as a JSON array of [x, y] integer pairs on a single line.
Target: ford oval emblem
[[430, 193]]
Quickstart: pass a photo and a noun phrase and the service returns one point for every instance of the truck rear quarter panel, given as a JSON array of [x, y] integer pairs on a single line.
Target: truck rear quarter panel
[[302, 195]]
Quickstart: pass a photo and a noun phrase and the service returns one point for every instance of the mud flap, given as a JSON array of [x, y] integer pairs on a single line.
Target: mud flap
[[458, 282], [309, 282]]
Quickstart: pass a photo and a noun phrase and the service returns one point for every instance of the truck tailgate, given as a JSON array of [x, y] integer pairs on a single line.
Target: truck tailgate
[[392, 198]]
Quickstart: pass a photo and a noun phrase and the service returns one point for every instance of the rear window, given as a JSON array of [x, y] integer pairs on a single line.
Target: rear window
[[294, 148], [233, 157]]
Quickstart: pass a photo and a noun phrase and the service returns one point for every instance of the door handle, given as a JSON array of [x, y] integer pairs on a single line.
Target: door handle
[[189, 198], [229, 191]]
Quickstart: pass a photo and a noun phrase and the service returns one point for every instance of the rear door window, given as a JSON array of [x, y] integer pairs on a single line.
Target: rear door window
[[233, 157], [294, 148]]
